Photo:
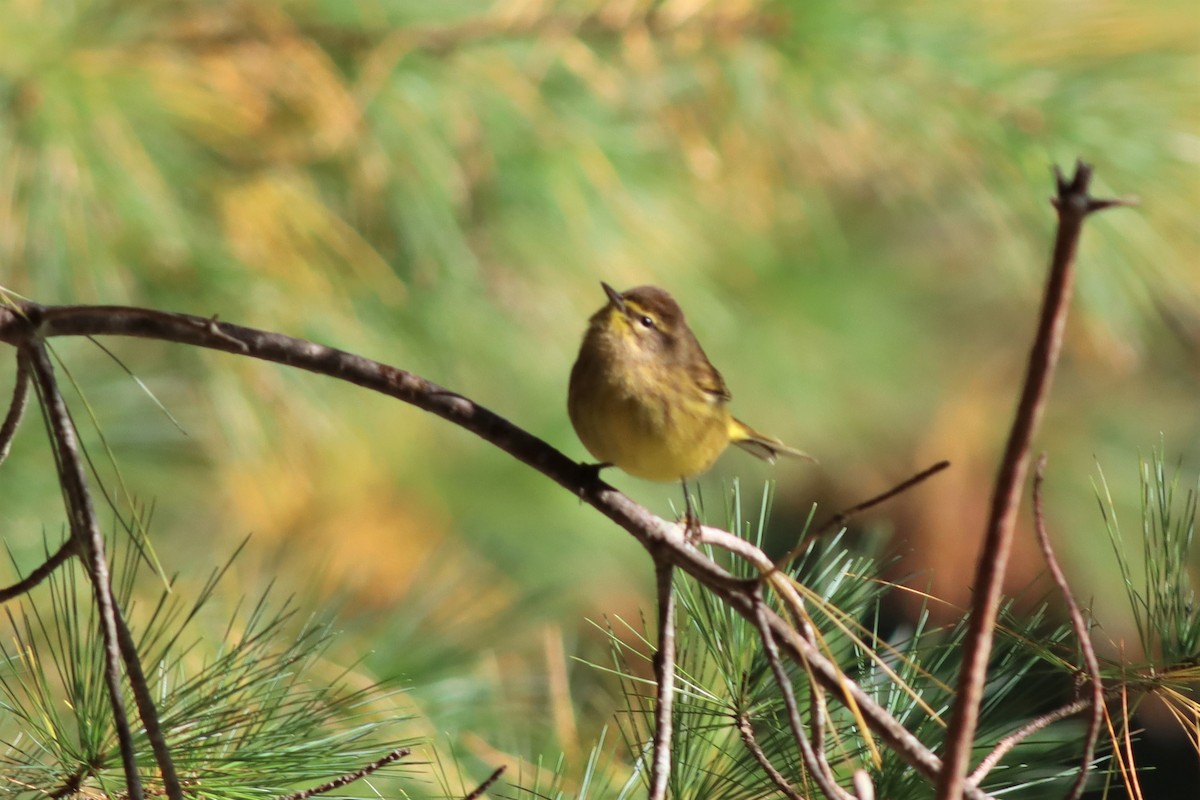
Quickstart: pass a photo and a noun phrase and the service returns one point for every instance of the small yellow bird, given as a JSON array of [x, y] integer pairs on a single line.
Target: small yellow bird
[[645, 398]]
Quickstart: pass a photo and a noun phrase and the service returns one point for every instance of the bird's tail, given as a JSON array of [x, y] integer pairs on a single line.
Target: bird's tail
[[768, 448]]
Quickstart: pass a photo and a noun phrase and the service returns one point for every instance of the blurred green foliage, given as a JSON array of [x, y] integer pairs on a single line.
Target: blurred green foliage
[[848, 198]]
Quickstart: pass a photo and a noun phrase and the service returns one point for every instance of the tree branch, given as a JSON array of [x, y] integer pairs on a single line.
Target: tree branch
[[1095, 701], [813, 762], [16, 408], [146, 708], [1081, 633], [664, 675], [781, 783], [68, 549], [1024, 732], [842, 517], [86, 532], [1073, 205]]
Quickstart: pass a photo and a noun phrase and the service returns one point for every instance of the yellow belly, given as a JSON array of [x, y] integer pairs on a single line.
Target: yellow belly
[[638, 431]]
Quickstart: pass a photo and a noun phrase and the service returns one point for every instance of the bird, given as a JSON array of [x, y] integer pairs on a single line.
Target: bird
[[644, 397]]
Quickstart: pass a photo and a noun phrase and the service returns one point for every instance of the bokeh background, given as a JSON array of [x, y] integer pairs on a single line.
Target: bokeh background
[[849, 199]]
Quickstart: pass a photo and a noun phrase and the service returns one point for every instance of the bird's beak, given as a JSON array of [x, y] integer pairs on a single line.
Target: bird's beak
[[615, 297]]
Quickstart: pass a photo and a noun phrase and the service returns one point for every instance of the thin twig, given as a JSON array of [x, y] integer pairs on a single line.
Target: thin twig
[[781, 783], [68, 549], [818, 714], [1073, 205], [146, 708], [482, 788], [842, 517], [652, 532], [1006, 744], [349, 777], [816, 767], [1081, 633], [86, 531], [16, 408], [664, 675]]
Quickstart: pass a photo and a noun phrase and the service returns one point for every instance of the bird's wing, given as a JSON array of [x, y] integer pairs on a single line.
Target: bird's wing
[[703, 373], [710, 381]]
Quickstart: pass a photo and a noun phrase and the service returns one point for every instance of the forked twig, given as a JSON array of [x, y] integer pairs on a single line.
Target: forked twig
[[1095, 701], [664, 675], [771, 575], [349, 777], [1073, 205], [86, 531]]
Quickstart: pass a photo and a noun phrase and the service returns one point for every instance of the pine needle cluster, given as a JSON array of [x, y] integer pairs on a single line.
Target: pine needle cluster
[[251, 706]]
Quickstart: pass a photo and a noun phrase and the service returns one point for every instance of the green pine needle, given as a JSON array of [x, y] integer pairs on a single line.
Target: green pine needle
[[252, 714]]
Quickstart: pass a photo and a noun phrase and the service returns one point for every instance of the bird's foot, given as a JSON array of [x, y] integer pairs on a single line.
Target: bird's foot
[[691, 527]]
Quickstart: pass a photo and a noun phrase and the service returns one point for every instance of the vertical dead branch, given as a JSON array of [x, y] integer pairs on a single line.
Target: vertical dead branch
[[85, 533], [664, 675], [1073, 205]]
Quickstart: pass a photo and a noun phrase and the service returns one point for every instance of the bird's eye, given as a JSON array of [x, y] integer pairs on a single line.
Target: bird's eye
[[647, 322]]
